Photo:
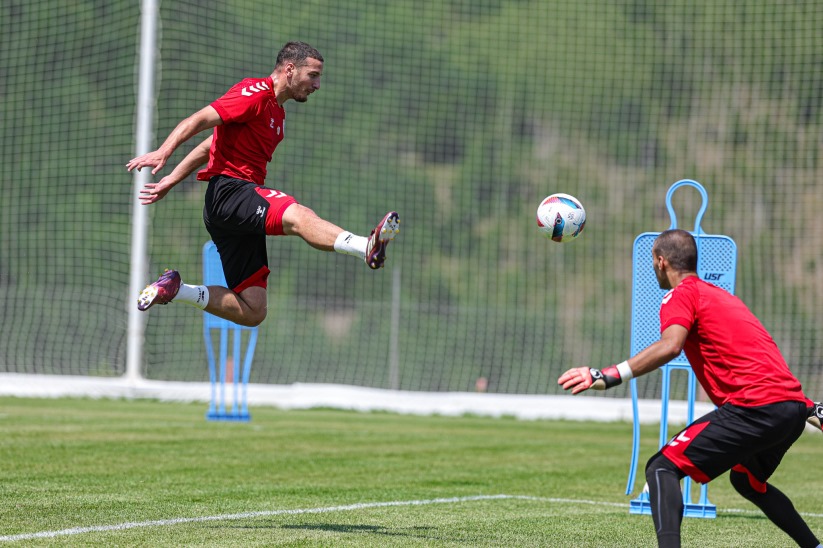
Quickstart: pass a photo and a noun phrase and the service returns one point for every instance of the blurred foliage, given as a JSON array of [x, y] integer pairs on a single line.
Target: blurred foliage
[[461, 115]]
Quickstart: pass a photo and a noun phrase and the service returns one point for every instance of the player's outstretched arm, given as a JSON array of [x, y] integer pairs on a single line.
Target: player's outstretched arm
[[154, 192], [201, 120]]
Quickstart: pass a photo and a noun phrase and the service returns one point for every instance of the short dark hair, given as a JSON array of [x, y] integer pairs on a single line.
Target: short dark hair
[[297, 53], [679, 248]]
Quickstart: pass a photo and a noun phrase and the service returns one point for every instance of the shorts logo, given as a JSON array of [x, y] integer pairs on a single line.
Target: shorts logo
[[260, 211], [681, 438]]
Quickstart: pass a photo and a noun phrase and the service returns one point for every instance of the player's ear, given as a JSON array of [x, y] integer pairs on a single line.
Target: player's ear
[[658, 261]]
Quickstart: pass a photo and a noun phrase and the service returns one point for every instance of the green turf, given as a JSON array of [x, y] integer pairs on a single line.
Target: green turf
[[88, 463]]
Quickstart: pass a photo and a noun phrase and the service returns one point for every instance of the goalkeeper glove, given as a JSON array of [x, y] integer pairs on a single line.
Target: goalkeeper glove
[[607, 378], [583, 378], [816, 415]]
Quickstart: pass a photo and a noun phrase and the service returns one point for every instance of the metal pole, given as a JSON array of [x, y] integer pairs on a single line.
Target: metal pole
[[394, 336], [144, 136]]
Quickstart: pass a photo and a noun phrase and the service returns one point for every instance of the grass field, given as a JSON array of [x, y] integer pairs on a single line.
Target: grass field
[[141, 473]]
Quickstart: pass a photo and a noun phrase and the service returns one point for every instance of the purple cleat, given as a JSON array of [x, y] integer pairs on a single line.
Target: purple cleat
[[384, 232], [160, 292]]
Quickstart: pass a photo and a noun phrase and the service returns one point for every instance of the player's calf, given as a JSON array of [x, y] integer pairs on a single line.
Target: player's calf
[[663, 478]]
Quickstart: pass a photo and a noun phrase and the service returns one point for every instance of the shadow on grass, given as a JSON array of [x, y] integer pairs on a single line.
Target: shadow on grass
[[426, 533], [753, 515]]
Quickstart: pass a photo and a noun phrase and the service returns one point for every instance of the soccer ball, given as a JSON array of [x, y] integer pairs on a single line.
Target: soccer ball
[[561, 217]]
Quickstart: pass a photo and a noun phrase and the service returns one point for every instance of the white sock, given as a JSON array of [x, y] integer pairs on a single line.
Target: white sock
[[351, 244], [195, 295]]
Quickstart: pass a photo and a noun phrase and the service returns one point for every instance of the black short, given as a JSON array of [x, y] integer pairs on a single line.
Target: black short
[[238, 215], [750, 439]]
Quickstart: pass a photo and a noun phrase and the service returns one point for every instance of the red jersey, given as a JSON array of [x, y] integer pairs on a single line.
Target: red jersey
[[253, 126], [733, 356]]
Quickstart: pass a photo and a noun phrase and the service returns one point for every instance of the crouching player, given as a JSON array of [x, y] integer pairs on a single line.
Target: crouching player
[[761, 408]]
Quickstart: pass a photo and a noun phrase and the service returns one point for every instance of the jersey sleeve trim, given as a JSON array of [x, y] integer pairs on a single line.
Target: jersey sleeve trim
[[221, 110]]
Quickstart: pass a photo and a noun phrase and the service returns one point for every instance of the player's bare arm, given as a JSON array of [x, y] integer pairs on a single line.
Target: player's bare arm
[[650, 358], [201, 120], [154, 192]]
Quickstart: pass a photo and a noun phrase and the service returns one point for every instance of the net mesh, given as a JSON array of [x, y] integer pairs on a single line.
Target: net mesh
[[461, 115]]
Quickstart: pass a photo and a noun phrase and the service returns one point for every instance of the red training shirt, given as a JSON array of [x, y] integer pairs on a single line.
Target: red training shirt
[[253, 126], [733, 356]]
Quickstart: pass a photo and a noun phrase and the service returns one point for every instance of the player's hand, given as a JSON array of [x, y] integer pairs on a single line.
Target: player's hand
[[583, 378], [154, 192], [577, 380], [155, 159], [816, 415]]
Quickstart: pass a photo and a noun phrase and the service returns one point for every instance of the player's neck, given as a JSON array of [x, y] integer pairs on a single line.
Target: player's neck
[[676, 278], [281, 90]]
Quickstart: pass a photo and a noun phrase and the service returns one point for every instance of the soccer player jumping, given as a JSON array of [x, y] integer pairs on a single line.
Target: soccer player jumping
[[761, 408], [239, 210]]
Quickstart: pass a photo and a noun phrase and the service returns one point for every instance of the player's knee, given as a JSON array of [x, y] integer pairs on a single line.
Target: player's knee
[[254, 307], [254, 319], [249, 318], [740, 482], [659, 463]]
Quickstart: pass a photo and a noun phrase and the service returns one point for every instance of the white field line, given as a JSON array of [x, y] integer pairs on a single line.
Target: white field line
[[321, 510]]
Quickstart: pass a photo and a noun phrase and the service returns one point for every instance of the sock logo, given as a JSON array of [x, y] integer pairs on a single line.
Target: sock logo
[[201, 295], [348, 238]]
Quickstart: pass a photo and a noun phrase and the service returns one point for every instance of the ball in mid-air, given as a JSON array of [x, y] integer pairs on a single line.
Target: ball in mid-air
[[561, 217]]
